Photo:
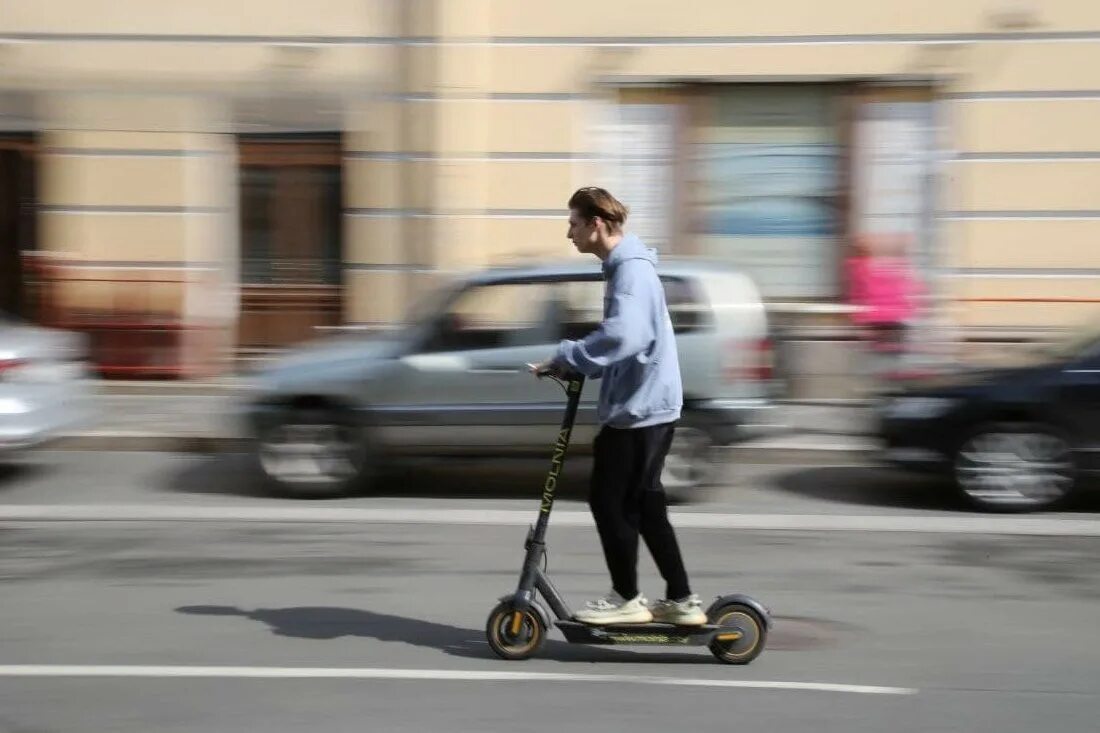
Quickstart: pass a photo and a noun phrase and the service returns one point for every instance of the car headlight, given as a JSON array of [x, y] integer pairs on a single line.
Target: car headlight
[[13, 407], [918, 408]]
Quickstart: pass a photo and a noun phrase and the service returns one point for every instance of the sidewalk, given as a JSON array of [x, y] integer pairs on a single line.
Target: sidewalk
[[204, 418]]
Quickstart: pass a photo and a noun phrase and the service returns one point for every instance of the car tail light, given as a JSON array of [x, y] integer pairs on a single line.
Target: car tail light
[[9, 365], [762, 365], [914, 374], [754, 361]]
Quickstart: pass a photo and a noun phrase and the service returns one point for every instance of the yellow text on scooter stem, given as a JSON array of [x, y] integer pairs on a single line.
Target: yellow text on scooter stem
[[555, 469]]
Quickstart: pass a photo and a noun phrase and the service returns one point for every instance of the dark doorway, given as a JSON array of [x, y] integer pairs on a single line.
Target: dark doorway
[[18, 219]]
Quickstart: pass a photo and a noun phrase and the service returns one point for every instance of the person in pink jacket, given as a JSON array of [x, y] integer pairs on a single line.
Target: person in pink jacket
[[885, 290]]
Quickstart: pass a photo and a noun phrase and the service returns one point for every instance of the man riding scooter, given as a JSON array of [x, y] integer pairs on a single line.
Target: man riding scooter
[[634, 352]]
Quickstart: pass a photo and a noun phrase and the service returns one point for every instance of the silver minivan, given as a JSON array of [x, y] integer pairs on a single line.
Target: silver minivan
[[453, 380]]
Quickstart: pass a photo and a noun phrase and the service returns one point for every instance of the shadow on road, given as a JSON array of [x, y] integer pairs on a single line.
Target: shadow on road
[[869, 486], [881, 487], [507, 478], [18, 471], [334, 623]]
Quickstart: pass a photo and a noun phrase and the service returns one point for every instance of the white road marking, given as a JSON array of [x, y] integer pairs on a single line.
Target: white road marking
[[458, 675], [974, 524]]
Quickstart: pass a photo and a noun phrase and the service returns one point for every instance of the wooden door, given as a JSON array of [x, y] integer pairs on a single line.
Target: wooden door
[[291, 239]]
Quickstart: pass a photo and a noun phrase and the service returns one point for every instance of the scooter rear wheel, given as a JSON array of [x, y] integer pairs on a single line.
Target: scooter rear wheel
[[754, 633], [514, 634]]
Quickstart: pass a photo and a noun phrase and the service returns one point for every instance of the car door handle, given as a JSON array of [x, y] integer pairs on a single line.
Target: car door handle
[[493, 369]]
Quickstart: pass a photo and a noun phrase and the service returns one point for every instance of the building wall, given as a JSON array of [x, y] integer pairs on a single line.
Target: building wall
[[468, 122]]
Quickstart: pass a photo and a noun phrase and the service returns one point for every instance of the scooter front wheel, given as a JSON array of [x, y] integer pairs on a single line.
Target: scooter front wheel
[[749, 641], [514, 634]]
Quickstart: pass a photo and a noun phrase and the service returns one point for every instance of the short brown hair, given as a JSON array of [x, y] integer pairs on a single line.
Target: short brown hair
[[591, 202]]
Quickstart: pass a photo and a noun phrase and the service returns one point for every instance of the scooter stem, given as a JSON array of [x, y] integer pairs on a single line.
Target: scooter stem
[[574, 385], [536, 539]]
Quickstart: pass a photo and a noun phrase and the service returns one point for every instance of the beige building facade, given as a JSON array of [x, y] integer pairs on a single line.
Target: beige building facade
[[241, 172]]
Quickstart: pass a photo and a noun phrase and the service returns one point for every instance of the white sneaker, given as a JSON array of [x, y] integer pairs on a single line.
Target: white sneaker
[[611, 598], [688, 612], [613, 609]]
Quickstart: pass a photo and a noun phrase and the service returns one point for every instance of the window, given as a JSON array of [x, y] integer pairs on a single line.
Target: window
[[496, 316], [290, 220], [892, 170], [637, 142], [765, 185], [774, 179]]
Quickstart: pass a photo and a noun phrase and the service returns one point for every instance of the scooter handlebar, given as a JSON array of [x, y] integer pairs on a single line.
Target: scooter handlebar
[[563, 374], [562, 377], [537, 371]]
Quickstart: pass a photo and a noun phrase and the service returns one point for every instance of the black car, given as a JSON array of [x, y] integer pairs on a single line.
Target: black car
[[1013, 439]]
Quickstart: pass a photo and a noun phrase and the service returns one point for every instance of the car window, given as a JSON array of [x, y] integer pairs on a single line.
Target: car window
[[581, 306], [686, 306], [426, 307], [1092, 356], [492, 317], [1082, 342]]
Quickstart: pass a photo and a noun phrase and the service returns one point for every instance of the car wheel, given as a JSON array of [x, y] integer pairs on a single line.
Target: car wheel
[[1014, 468], [689, 464], [313, 454]]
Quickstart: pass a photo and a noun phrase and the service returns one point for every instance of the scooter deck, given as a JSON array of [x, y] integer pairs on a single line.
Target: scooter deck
[[649, 633]]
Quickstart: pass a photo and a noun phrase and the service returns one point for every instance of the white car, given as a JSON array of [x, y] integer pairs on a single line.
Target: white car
[[43, 384]]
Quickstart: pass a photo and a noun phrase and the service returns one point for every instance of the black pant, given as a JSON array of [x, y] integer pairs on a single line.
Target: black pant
[[627, 498]]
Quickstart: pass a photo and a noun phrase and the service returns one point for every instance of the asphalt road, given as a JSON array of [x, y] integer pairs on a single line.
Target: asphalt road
[[177, 623]]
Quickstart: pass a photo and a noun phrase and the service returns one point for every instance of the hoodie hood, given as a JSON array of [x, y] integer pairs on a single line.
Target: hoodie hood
[[630, 248]]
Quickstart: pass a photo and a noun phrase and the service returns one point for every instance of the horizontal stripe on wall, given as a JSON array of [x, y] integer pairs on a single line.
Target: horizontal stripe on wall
[[143, 265], [211, 38], [530, 157], [366, 266], [474, 97], [997, 157], [537, 96], [130, 153], [1020, 273], [139, 210], [499, 213], [524, 157], [521, 157], [954, 273], [724, 40], [372, 267], [1024, 94], [488, 97], [460, 213], [797, 39], [1044, 214]]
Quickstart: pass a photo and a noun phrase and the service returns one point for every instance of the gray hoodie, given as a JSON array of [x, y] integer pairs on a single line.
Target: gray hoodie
[[634, 348]]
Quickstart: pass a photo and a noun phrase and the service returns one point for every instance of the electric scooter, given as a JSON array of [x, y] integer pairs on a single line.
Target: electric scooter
[[737, 625]]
